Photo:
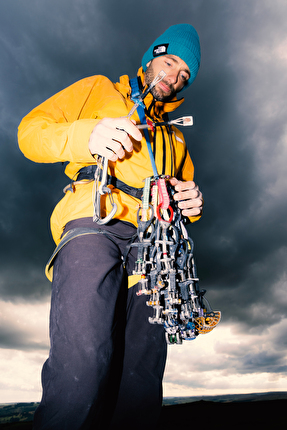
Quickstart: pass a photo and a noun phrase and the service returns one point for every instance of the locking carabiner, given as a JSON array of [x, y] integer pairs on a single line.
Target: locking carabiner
[[102, 189]]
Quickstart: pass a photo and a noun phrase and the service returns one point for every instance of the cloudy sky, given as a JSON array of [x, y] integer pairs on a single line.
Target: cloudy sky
[[239, 147]]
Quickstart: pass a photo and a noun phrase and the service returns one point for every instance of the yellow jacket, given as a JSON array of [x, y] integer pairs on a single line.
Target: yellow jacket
[[58, 130]]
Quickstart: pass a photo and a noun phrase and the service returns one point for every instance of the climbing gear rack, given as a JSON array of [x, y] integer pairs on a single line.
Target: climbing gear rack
[[166, 265]]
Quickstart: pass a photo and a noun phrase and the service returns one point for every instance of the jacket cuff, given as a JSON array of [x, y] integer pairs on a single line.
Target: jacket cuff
[[78, 140]]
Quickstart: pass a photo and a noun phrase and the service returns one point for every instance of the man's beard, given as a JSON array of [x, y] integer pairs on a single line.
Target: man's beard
[[157, 92]]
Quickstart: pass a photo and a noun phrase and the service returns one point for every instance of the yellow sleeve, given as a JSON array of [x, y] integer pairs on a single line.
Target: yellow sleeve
[[55, 131], [187, 174]]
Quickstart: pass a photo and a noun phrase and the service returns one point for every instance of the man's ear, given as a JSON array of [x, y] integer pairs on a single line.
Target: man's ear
[[147, 65]]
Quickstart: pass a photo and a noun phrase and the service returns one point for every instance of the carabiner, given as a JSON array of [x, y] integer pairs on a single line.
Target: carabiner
[[159, 215], [145, 229], [100, 191]]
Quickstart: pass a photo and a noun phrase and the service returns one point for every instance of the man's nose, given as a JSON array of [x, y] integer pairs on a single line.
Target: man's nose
[[172, 78]]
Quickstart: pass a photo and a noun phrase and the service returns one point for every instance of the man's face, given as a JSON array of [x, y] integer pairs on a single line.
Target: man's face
[[177, 74]]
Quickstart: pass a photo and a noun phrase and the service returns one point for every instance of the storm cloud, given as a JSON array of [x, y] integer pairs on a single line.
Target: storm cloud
[[238, 145]]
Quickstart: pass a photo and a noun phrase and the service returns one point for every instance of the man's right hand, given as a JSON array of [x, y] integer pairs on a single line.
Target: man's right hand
[[111, 138]]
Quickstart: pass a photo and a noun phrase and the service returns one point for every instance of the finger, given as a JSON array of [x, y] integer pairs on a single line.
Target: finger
[[118, 128], [123, 138], [190, 204], [188, 194], [191, 208], [188, 185], [108, 153], [117, 148], [174, 181], [192, 212], [124, 124], [106, 138]]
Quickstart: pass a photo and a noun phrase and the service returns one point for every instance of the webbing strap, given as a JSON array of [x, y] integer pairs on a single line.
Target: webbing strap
[[135, 89], [141, 114], [88, 172]]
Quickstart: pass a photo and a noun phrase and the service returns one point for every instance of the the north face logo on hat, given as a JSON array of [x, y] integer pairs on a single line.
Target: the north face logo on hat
[[160, 49]]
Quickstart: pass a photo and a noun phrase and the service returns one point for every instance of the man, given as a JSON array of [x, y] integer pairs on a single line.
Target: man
[[106, 361]]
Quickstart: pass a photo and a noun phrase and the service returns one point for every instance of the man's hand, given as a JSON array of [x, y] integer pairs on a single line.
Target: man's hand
[[189, 197], [111, 138]]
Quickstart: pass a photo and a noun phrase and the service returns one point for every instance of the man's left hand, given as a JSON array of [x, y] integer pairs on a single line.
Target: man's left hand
[[188, 196]]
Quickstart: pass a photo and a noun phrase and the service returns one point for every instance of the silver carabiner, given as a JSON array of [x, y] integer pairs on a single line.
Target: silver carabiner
[[102, 190]]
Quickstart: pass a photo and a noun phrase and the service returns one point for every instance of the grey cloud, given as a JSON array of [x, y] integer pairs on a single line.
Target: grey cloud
[[15, 340], [238, 142], [264, 361], [13, 337], [25, 282]]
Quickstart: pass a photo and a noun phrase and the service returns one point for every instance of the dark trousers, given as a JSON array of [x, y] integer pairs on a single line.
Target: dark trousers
[[106, 361]]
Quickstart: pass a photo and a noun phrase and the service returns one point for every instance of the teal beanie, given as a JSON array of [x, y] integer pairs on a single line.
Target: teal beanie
[[181, 40]]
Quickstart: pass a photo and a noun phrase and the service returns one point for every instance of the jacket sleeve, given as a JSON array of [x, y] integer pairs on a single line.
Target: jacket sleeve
[[187, 174], [54, 131]]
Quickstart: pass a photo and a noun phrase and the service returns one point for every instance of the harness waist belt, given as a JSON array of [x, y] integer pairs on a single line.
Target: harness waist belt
[[88, 172]]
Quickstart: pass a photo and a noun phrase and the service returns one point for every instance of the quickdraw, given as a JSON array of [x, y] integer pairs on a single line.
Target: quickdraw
[[138, 98], [184, 121], [166, 264]]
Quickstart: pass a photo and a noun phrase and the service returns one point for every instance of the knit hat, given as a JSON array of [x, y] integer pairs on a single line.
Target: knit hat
[[181, 40]]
